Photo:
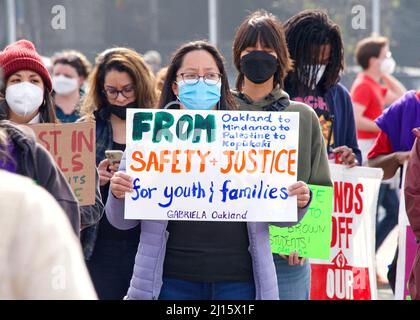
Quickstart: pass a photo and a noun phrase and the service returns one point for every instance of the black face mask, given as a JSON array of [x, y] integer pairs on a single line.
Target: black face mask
[[121, 111], [258, 66]]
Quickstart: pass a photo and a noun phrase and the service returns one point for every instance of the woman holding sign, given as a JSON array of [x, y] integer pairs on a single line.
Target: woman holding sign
[[199, 260], [120, 80], [261, 57], [28, 100]]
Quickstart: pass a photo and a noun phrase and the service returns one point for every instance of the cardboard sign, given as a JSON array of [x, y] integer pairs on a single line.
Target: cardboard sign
[[311, 237], [211, 165], [349, 273], [72, 145]]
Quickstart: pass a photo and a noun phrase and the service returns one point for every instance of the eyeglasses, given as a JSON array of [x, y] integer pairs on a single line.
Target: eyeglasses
[[211, 78], [127, 92]]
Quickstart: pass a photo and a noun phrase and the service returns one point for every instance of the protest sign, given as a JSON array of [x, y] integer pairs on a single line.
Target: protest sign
[[349, 273], [311, 238], [72, 145], [211, 165]]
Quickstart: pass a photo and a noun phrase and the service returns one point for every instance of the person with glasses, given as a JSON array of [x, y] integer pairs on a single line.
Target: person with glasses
[[120, 80], [202, 260]]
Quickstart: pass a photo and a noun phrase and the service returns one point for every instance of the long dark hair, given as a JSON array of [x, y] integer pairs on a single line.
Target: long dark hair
[[226, 100], [306, 32], [263, 27]]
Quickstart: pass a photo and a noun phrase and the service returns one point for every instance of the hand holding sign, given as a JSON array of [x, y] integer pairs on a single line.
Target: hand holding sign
[[293, 259], [301, 190], [120, 184], [347, 156]]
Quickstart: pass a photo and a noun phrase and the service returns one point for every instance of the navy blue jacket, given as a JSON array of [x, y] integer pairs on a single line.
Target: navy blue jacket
[[344, 127]]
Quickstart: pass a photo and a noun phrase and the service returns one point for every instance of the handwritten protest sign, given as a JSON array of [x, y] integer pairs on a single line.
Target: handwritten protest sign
[[211, 165], [312, 236], [349, 273], [72, 145]]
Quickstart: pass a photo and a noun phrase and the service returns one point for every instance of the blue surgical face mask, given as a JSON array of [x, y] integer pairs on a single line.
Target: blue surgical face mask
[[199, 96]]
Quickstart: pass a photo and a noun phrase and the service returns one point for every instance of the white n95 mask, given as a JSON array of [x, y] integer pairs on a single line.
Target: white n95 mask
[[24, 98], [388, 65], [63, 85]]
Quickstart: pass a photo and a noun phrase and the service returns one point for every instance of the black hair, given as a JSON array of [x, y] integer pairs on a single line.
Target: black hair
[[262, 26], [306, 32], [226, 99]]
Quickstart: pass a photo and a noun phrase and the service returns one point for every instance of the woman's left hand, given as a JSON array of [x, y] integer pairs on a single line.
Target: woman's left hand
[[301, 190], [293, 259]]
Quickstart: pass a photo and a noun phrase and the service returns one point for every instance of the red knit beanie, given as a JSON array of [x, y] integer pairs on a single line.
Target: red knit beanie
[[22, 55]]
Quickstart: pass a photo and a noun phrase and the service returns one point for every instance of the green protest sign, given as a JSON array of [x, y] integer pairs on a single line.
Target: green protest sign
[[312, 236]]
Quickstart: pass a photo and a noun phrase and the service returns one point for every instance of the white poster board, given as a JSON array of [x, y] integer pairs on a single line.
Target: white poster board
[[211, 165]]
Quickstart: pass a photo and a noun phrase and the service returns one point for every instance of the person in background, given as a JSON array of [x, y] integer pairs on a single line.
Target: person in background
[[396, 138], [120, 80], [391, 150], [70, 70], [153, 60], [160, 80], [316, 47], [40, 255], [412, 205], [262, 60], [47, 63], [369, 98]]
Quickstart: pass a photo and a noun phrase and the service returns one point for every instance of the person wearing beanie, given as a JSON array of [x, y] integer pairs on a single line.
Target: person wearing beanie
[[26, 96], [27, 99]]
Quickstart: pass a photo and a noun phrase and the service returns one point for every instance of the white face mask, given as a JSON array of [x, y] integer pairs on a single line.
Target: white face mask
[[24, 98], [319, 69], [388, 65], [63, 85]]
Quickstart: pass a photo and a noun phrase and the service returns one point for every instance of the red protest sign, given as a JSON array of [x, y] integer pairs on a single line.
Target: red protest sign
[[349, 273]]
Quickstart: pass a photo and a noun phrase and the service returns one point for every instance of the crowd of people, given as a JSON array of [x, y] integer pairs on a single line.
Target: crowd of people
[[293, 66]]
